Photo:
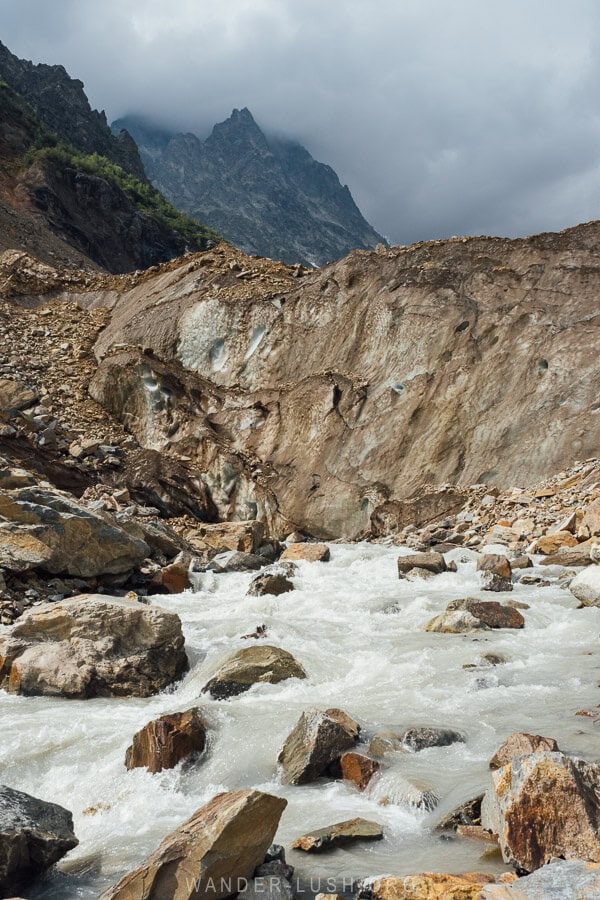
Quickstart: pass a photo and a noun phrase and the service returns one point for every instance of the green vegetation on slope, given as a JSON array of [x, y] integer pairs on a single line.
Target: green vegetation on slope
[[44, 145]]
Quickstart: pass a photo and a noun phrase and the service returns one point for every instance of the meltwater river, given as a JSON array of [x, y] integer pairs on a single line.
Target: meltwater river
[[380, 667]]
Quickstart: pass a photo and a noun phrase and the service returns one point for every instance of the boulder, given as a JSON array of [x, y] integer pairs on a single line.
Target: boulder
[[339, 835], [172, 579], [427, 886], [16, 395], [34, 835], [236, 561], [93, 646], [212, 855], [586, 586], [164, 742], [589, 526], [472, 614], [307, 552], [571, 556], [358, 769], [550, 543], [218, 538], [431, 562], [495, 564], [562, 879], [318, 739], [393, 788], [521, 562], [544, 805], [420, 738], [521, 744], [253, 665], [273, 580], [80, 542]]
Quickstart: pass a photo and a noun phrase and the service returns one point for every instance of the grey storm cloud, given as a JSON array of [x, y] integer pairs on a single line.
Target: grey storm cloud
[[443, 116]]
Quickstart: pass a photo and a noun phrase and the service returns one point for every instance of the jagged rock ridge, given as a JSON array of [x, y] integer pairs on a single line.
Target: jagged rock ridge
[[266, 195], [70, 192]]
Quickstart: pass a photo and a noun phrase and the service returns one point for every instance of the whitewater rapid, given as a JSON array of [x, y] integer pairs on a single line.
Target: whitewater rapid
[[380, 667]]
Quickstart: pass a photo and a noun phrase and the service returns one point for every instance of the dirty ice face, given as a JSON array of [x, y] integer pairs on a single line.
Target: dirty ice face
[[380, 667]]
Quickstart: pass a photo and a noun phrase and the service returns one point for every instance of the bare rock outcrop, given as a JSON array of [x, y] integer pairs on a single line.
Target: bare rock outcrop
[[34, 835], [521, 744], [212, 855], [93, 646]]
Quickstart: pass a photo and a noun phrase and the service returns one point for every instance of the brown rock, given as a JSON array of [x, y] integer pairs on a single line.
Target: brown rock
[[521, 562], [245, 536], [358, 768], [307, 552], [93, 646], [472, 614], [317, 740], [477, 833], [211, 855], [590, 523], [550, 543], [16, 395], [165, 741], [253, 665], [542, 806], [431, 562], [348, 832], [520, 744], [497, 565], [272, 582], [430, 886], [468, 813], [386, 742], [20, 551], [174, 578], [571, 556]]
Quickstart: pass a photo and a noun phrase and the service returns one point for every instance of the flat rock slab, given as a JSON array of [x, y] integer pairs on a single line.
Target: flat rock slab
[[253, 665], [164, 742], [348, 832], [211, 854], [33, 836], [93, 646]]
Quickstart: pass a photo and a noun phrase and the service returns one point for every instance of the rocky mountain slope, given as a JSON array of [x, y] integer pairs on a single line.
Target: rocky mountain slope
[[330, 401], [267, 196], [70, 192]]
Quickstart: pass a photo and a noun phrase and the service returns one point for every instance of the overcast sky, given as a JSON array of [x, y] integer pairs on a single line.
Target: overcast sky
[[443, 116]]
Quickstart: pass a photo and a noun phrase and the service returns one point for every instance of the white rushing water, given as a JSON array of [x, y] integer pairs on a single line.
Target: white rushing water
[[383, 669]]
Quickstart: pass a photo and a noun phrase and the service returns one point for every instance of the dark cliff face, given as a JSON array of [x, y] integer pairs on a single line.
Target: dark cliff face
[[79, 209], [59, 101], [267, 196]]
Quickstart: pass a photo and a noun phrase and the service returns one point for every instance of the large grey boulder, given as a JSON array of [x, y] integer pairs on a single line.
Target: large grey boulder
[[318, 739], [93, 646], [542, 806], [253, 665], [34, 835], [212, 855], [74, 540], [562, 879], [586, 586]]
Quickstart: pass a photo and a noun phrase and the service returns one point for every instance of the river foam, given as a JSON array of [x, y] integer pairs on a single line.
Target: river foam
[[379, 666]]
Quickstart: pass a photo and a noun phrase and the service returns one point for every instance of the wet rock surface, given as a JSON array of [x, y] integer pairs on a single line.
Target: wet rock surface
[[472, 614], [34, 835], [339, 835], [318, 740], [166, 741], [253, 665]]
